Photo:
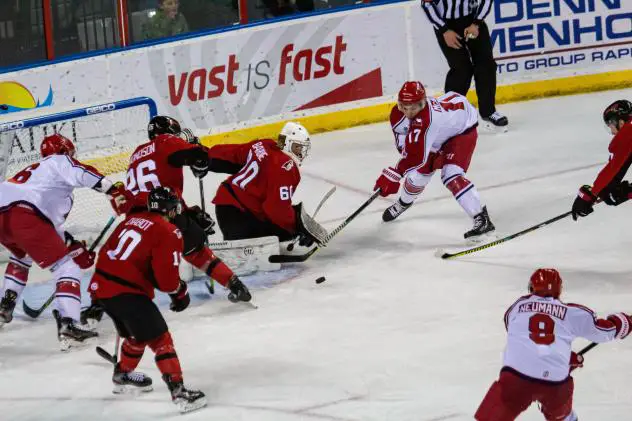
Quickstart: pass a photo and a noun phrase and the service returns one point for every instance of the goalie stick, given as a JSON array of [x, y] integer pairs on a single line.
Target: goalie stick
[[327, 195], [502, 240], [35, 313], [304, 257]]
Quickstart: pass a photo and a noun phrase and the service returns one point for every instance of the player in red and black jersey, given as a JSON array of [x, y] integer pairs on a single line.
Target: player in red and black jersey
[[609, 185], [143, 254], [160, 162], [256, 201]]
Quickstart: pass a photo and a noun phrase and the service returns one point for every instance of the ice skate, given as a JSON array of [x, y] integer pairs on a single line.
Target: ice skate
[[7, 305], [186, 400], [395, 210], [238, 291], [69, 333], [130, 383], [482, 227], [496, 122]]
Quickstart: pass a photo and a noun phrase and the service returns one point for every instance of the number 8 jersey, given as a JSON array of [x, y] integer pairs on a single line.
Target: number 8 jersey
[[540, 331]]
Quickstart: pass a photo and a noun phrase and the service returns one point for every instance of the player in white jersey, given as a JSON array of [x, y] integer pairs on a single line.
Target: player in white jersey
[[433, 134], [34, 204], [538, 358]]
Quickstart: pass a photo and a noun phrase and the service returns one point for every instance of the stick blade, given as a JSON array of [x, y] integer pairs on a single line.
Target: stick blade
[[33, 313], [106, 355]]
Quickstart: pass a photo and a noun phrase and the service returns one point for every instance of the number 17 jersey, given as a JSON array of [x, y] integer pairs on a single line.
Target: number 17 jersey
[[540, 331]]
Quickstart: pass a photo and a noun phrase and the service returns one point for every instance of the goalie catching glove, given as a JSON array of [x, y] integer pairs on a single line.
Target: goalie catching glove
[[308, 230], [83, 257]]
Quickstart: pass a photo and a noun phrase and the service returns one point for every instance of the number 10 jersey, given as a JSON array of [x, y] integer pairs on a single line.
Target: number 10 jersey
[[540, 331]]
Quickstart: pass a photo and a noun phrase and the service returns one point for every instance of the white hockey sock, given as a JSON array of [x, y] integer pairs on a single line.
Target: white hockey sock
[[414, 185], [68, 288], [16, 274], [464, 192]]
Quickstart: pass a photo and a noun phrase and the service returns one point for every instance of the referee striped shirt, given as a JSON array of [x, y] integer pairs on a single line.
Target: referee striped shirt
[[438, 11]]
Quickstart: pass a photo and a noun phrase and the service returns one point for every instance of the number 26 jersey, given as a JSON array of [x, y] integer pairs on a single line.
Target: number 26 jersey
[[540, 331]]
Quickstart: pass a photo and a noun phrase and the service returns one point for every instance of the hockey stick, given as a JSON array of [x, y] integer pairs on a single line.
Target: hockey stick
[[587, 348], [304, 257], [112, 358], [35, 313], [211, 283], [502, 240], [327, 195]]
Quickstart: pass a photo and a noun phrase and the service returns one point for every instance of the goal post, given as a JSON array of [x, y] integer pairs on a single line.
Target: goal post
[[105, 134]]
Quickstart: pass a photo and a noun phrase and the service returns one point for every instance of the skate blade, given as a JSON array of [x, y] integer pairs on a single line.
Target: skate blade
[[184, 406], [492, 128], [481, 239], [128, 389]]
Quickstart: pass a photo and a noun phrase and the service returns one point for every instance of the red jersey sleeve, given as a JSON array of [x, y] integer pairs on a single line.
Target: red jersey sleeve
[[620, 159], [170, 143], [237, 154], [165, 258], [283, 178], [397, 118]]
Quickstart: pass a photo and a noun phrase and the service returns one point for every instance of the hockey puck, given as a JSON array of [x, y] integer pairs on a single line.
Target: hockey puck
[[320, 280]]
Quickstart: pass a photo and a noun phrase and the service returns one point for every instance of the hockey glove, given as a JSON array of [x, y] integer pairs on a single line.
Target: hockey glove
[[618, 194], [200, 168], [388, 182], [203, 219], [622, 322], [94, 312], [79, 252], [577, 361], [180, 299], [583, 204], [119, 198]]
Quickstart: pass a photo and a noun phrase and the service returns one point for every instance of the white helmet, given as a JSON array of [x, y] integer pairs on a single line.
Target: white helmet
[[294, 140]]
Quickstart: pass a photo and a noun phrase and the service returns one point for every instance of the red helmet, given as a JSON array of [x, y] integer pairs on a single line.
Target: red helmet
[[57, 144], [411, 92], [546, 283]]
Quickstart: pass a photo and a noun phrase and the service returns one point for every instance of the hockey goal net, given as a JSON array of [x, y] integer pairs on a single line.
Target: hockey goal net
[[104, 134]]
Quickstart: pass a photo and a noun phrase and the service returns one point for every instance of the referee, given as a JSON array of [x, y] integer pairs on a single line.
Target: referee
[[464, 39]]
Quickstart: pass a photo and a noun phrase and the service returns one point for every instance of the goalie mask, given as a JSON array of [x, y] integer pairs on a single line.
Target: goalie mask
[[161, 124], [294, 140]]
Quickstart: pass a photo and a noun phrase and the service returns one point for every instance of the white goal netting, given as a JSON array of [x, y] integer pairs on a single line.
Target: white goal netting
[[104, 135]]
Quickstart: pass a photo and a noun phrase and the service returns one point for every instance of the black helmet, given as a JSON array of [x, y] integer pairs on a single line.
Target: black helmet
[[162, 124], [163, 200], [618, 110]]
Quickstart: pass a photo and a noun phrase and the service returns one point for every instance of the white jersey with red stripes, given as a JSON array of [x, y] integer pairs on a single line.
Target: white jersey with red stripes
[[441, 119], [540, 331], [48, 185]]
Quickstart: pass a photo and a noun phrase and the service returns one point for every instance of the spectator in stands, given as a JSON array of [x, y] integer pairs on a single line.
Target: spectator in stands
[[167, 21], [465, 42]]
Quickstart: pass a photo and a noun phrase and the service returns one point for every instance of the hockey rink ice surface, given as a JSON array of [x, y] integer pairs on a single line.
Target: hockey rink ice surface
[[395, 333]]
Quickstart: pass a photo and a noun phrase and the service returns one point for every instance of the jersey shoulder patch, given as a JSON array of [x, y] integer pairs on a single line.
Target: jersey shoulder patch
[[288, 165]]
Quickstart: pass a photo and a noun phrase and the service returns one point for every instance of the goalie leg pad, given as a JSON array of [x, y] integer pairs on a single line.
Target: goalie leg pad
[[210, 264], [248, 256]]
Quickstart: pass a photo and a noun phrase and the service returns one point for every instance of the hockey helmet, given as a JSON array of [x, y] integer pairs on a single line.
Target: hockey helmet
[[57, 144], [161, 124], [546, 283], [412, 92], [294, 140], [163, 200], [618, 110]]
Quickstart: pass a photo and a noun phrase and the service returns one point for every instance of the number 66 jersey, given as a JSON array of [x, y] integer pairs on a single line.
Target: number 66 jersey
[[540, 331]]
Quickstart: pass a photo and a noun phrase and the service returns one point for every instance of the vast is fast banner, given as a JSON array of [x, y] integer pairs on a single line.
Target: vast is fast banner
[[327, 62]]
